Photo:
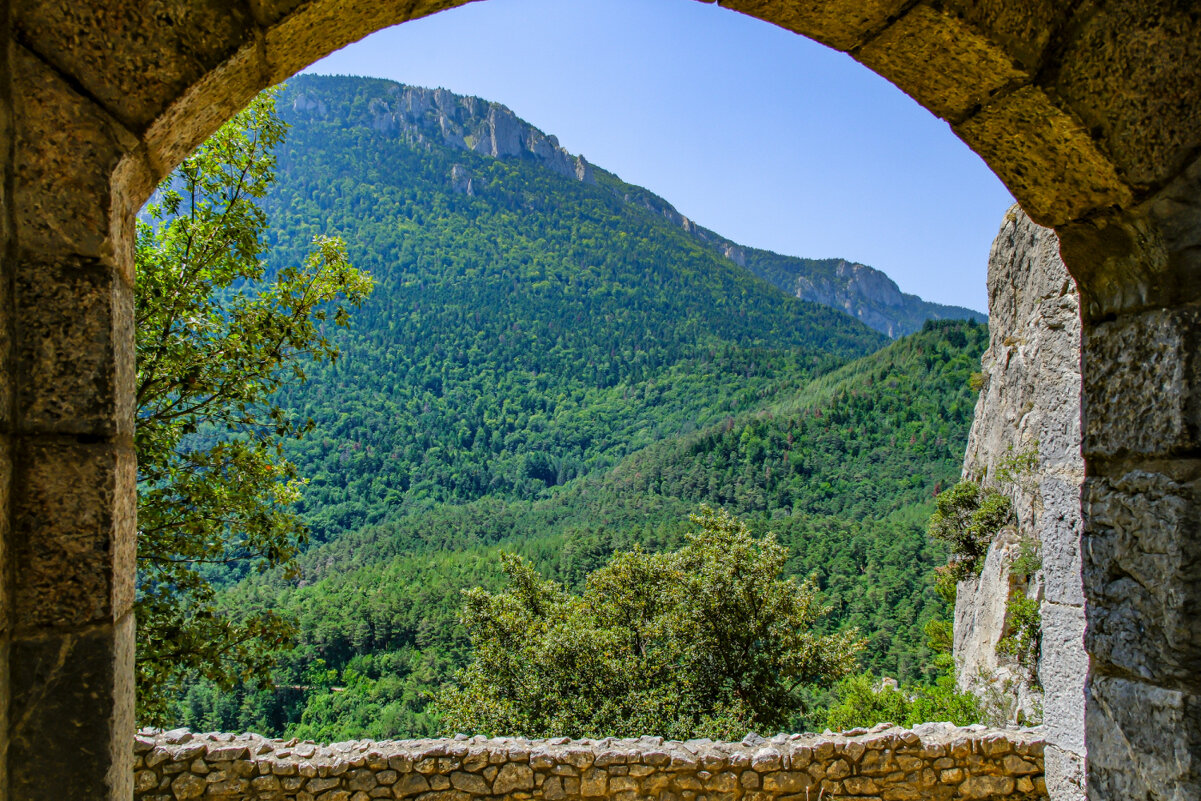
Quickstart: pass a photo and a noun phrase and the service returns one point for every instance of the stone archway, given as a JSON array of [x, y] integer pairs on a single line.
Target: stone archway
[[1089, 111]]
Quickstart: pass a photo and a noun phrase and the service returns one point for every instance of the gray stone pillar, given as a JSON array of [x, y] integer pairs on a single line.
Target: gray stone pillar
[[67, 377], [1140, 279]]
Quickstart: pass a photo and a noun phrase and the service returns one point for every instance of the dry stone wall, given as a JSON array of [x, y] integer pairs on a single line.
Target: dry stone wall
[[935, 762]]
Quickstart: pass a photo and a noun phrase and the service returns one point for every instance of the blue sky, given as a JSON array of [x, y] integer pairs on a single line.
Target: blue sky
[[764, 136]]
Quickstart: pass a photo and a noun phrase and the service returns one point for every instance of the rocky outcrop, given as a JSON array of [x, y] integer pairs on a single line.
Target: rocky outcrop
[[871, 297], [936, 761], [1025, 442], [463, 123]]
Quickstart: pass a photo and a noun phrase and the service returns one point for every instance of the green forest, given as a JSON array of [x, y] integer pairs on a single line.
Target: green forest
[[547, 370]]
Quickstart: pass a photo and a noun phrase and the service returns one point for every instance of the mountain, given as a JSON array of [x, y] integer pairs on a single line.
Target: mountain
[[439, 118], [552, 367], [528, 326]]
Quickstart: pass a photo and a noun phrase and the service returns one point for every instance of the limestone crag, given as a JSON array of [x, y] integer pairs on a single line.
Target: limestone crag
[[459, 122], [935, 761], [1030, 405], [862, 292]]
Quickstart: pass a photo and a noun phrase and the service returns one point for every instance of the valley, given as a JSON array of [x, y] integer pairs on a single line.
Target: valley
[[558, 364]]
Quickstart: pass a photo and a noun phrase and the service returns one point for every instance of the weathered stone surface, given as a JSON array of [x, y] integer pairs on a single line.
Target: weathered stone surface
[[69, 148], [152, 62], [1143, 577], [1160, 348], [1063, 670], [1023, 28], [1045, 156], [913, 764], [1130, 72], [940, 61], [1141, 258], [187, 785], [840, 27], [73, 526], [75, 691], [1060, 527], [513, 777], [1143, 741], [1064, 775], [74, 326]]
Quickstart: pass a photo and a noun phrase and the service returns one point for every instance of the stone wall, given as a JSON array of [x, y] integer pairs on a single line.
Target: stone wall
[[935, 761], [1030, 402]]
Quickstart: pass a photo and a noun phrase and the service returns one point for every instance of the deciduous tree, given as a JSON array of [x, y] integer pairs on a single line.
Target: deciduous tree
[[704, 641], [217, 336]]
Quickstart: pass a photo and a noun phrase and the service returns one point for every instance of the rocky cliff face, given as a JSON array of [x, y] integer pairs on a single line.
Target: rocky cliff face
[[1025, 442], [463, 123], [873, 298]]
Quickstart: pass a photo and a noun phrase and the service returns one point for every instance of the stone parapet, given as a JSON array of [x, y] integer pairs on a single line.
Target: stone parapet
[[934, 761]]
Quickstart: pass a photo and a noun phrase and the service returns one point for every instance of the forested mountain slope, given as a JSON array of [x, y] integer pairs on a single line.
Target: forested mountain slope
[[527, 327], [843, 470], [863, 292], [551, 365]]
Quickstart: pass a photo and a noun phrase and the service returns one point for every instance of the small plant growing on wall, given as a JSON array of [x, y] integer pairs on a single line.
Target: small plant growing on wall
[[1023, 621], [967, 518]]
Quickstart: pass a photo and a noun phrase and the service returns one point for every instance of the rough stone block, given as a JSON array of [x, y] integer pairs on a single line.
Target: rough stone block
[[1044, 155], [73, 532], [841, 26], [148, 54], [1064, 774], [1143, 741], [7, 374], [72, 714], [1064, 667], [5, 700], [1059, 526], [1142, 575], [1142, 384], [75, 348], [5, 548], [68, 148], [204, 107], [1132, 72], [1023, 28], [940, 61]]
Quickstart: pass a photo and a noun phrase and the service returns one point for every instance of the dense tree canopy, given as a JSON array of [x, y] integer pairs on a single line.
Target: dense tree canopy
[[707, 640], [216, 338], [378, 608], [551, 368]]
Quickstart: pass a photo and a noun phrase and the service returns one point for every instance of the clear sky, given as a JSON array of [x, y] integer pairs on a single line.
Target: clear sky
[[764, 136]]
